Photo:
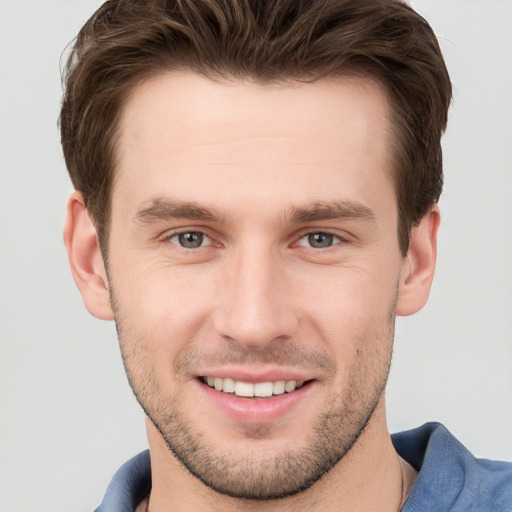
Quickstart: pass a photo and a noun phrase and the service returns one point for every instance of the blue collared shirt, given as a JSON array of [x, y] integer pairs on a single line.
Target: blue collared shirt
[[450, 479]]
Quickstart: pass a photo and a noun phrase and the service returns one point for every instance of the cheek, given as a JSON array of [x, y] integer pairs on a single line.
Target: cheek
[[155, 291], [349, 295], [157, 311], [354, 314]]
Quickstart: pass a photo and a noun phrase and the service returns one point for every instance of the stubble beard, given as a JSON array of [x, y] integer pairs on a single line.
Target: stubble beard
[[255, 475]]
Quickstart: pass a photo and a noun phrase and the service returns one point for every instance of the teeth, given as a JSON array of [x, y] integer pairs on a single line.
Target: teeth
[[249, 390], [279, 387], [229, 386], [263, 389], [290, 386], [244, 388]]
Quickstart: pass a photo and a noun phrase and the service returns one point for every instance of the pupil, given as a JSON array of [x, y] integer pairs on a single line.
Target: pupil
[[320, 240], [191, 240]]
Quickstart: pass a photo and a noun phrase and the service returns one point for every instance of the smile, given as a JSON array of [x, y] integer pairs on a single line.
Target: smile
[[250, 390]]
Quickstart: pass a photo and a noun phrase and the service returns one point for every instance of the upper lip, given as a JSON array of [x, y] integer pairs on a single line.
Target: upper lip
[[255, 376]]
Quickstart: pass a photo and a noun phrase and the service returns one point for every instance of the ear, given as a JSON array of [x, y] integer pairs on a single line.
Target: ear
[[419, 264], [86, 260]]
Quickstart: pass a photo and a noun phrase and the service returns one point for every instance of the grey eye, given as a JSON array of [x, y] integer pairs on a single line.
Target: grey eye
[[320, 240], [190, 240]]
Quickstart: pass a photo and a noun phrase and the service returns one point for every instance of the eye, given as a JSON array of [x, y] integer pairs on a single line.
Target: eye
[[190, 239], [319, 240]]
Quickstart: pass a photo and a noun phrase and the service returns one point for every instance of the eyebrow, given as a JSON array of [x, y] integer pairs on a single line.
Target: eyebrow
[[162, 209], [335, 210]]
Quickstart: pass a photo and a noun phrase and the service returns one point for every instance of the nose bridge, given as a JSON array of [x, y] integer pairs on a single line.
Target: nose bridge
[[257, 307]]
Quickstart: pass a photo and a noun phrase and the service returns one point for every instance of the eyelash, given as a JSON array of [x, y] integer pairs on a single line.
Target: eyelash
[[177, 234], [337, 239]]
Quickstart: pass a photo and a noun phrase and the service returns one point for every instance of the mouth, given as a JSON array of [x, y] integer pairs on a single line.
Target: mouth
[[255, 399], [252, 390]]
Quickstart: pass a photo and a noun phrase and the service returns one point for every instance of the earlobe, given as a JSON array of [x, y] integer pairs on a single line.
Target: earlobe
[[86, 260], [419, 265]]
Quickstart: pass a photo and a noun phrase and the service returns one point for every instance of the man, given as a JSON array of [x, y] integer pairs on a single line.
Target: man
[[256, 200]]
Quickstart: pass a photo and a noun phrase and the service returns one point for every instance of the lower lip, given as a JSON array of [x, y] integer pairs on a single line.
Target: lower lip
[[254, 410]]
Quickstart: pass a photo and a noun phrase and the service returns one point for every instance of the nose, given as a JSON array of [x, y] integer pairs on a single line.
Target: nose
[[256, 307]]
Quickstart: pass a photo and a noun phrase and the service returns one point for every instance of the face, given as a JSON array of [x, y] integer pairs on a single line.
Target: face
[[254, 269]]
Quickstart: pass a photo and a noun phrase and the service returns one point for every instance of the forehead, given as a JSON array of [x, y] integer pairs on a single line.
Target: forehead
[[182, 134], [191, 105]]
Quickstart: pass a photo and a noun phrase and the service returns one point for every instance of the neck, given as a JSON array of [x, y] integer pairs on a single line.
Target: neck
[[368, 478]]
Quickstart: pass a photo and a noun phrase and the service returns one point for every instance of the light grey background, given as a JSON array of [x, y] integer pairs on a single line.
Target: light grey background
[[67, 416]]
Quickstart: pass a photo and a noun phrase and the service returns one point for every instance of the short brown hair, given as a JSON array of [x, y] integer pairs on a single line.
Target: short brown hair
[[128, 41]]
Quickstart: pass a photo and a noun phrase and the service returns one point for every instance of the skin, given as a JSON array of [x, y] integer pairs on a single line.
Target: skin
[[257, 171]]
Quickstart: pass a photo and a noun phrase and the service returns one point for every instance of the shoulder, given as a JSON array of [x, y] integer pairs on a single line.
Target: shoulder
[[450, 478], [129, 486]]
